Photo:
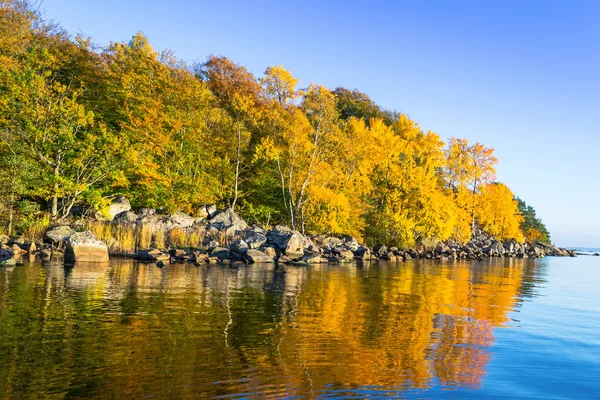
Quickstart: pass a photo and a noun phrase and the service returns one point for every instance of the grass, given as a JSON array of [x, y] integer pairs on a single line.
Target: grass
[[144, 237], [177, 237], [36, 229]]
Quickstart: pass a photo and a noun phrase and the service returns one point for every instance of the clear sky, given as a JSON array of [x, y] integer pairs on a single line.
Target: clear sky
[[522, 77]]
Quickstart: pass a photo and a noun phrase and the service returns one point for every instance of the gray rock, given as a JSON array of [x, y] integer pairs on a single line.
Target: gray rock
[[257, 256], [311, 259], [255, 239], [119, 205], [8, 262], [126, 217], [181, 220], [85, 247], [238, 247], [151, 255], [146, 212], [497, 247], [58, 234], [350, 242], [231, 222], [380, 250], [211, 210], [220, 253], [287, 241]]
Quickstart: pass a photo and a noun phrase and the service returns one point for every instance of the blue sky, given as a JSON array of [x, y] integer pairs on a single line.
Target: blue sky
[[522, 77]]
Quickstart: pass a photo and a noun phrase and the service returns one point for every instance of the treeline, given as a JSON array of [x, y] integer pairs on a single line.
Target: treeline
[[80, 125]]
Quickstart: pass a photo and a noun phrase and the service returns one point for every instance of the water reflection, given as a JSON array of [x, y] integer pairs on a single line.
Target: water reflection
[[133, 330]]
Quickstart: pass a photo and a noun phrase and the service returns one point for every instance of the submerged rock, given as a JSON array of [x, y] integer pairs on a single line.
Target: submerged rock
[[151, 255]]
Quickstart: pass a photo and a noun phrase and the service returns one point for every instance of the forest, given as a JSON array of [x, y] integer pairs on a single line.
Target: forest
[[81, 124]]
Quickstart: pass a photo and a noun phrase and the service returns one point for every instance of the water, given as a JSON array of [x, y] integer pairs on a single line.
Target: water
[[496, 329]]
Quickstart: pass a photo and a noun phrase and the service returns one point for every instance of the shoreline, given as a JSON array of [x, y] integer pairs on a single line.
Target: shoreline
[[222, 237]]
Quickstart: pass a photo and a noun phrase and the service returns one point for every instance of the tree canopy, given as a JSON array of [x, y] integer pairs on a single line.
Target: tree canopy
[[80, 125]]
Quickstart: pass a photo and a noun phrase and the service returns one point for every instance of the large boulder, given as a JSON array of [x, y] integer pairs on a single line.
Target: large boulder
[[127, 217], [84, 247], [181, 220], [58, 234], [255, 239], [238, 247], [257, 256], [119, 205], [287, 241], [228, 220], [220, 253]]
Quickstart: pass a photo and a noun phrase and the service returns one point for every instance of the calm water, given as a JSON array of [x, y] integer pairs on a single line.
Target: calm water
[[496, 329]]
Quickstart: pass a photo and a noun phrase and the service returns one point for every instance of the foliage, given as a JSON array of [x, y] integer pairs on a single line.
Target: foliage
[[81, 124], [532, 226]]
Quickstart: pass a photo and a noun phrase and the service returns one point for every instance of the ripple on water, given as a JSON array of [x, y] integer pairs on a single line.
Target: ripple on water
[[417, 329]]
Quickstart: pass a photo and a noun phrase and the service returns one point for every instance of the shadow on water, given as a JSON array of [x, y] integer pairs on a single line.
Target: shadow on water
[[131, 330]]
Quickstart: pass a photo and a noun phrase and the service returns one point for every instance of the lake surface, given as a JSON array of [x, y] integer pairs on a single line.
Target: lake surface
[[502, 328]]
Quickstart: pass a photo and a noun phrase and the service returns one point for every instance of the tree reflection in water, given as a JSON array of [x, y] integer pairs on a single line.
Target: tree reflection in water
[[133, 330]]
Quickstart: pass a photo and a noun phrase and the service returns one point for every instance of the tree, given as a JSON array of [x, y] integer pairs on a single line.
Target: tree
[[532, 226], [499, 212], [239, 94], [42, 112]]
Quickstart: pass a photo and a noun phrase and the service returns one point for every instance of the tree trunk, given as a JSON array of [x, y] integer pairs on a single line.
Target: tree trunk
[[54, 210], [237, 166]]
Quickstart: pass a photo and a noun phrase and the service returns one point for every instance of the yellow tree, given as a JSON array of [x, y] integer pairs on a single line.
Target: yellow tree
[[409, 201], [499, 212], [467, 169], [239, 93]]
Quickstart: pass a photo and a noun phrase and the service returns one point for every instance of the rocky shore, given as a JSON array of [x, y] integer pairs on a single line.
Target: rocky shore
[[223, 237]]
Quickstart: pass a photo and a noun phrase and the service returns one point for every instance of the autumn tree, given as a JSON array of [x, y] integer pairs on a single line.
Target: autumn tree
[[532, 226], [499, 212], [238, 92]]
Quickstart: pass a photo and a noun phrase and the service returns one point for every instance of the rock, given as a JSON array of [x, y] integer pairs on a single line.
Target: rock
[[17, 250], [287, 241], [45, 254], [126, 217], [146, 212], [4, 239], [315, 259], [84, 247], [255, 239], [497, 247], [8, 262], [379, 250], [119, 205], [229, 219], [30, 247], [211, 210], [362, 253], [441, 248], [350, 242], [238, 247], [182, 220], [160, 263], [177, 253], [58, 234], [151, 255], [220, 252], [271, 252], [20, 240], [257, 256], [509, 246]]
